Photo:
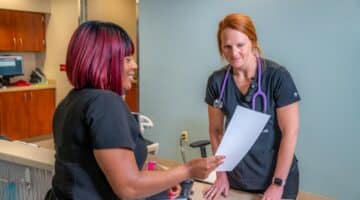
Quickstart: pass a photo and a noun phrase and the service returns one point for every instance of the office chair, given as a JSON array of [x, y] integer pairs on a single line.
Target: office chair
[[202, 145]]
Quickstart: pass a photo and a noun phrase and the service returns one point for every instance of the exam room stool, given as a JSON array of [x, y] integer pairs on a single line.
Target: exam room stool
[[202, 145]]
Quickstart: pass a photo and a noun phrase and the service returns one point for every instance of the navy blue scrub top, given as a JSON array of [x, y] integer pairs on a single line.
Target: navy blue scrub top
[[86, 120], [255, 170]]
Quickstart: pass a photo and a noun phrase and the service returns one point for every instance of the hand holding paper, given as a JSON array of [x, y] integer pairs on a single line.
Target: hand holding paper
[[243, 130]]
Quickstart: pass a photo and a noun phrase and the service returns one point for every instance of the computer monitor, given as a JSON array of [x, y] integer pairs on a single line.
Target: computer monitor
[[10, 66]]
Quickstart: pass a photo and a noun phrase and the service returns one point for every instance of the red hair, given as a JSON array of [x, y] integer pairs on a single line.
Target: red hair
[[239, 22], [95, 56]]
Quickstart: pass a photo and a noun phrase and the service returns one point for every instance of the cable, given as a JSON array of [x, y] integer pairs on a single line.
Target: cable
[[182, 150]]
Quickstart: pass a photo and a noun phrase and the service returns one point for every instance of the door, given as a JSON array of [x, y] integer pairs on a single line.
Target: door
[[132, 97]]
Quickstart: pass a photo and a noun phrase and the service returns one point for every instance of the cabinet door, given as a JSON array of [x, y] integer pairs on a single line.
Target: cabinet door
[[42, 106], [30, 31], [7, 39], [1, 116], [15, 119]]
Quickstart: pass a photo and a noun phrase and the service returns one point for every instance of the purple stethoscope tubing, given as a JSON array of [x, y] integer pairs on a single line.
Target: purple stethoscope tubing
[[259, 92]]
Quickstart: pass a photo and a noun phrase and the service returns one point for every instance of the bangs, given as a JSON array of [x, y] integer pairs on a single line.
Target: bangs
[[95, 57]]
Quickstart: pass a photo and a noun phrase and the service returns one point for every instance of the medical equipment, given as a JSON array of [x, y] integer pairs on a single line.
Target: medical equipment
[[146, 123], [218, 103]]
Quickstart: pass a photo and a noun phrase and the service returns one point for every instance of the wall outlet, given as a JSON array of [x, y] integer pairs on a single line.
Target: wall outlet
[[184, 136]]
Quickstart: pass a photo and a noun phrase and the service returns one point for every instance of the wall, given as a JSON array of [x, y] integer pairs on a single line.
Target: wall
[[319, 43], [61, 24], [28, 5], [122, 12]]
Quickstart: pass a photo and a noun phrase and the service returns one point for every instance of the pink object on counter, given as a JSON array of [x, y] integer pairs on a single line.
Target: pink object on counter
[[151, 165]]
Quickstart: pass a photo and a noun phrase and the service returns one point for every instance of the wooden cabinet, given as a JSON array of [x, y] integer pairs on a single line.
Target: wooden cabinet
[[14, 115], [25, 114], [42, 110], [6, 31], [132, 98], [22, 31]]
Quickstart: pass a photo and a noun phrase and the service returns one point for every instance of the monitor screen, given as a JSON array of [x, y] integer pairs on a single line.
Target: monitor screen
[[11, 66]]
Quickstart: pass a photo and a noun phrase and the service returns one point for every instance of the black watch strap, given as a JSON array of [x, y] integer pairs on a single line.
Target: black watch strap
[[278, 181]]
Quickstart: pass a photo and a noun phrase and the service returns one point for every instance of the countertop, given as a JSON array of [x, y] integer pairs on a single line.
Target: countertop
[[28, 155], [51, 84]]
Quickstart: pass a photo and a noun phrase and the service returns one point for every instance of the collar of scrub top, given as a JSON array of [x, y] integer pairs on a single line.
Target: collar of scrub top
[[218, 103]]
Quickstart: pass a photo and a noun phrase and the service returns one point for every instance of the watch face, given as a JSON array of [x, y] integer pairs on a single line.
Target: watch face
[[278, 181]]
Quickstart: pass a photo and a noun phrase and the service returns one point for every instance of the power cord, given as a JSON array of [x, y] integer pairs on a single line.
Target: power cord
[[184, 137]]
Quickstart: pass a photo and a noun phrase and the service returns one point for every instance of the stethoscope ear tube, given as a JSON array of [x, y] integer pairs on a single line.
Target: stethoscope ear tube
[[218, 103]]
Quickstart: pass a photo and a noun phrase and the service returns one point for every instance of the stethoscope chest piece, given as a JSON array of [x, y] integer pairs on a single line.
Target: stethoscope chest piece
[[218, 103]]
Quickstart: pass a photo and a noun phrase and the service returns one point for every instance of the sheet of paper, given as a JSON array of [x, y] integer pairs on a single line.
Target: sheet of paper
[[244, 128]]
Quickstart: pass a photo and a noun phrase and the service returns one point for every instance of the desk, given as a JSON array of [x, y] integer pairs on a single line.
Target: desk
[[199, 187]]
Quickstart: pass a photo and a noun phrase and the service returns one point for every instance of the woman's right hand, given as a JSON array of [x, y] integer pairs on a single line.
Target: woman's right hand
[[200, 168], [221, 186]]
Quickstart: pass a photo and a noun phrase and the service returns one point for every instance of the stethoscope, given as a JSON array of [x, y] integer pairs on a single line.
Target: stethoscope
[[219, 103]]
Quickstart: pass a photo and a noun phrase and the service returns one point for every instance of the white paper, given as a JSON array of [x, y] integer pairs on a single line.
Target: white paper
[[244, 128]]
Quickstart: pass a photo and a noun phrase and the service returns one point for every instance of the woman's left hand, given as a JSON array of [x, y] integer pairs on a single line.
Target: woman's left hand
[[273, 192]]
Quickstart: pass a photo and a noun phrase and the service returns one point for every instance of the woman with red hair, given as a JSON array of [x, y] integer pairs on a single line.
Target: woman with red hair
[[99, 148], [248, 80]]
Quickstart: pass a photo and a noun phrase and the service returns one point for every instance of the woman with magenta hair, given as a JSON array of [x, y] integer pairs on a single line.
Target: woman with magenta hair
[[99, 148]]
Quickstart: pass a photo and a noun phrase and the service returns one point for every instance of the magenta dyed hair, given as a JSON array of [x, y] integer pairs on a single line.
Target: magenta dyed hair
[[95, 56]]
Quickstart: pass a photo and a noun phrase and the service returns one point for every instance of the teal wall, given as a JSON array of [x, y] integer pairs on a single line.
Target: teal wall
[[319, 43]]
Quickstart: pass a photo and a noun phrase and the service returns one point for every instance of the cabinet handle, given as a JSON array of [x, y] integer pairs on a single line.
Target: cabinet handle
[[21, 43], [30, 95], [14, 41], [25, 97]]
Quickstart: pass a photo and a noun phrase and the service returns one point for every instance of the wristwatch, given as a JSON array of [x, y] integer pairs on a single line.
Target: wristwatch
[[278, 181]]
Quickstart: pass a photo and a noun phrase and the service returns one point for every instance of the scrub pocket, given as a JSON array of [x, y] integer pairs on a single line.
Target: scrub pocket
[[254, 172]]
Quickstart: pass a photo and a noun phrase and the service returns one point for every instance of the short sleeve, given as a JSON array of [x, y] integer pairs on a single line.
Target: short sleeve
[[212, 91], [285, 91], [107, 119]]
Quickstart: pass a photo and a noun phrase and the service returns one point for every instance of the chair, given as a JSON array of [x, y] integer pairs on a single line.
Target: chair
[[202, 145]]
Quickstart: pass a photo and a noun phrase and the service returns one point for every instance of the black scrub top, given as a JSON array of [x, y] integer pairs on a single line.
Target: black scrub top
[[86, 120], [255, 170]]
